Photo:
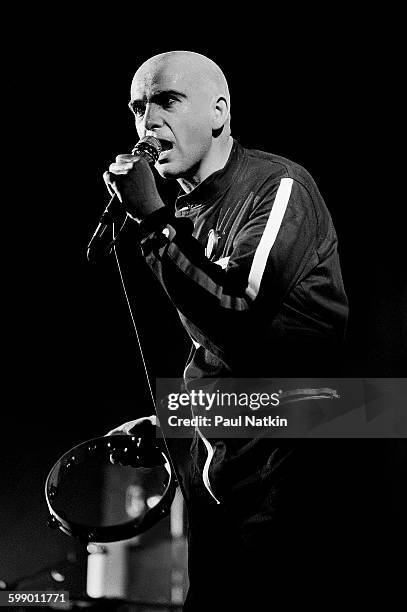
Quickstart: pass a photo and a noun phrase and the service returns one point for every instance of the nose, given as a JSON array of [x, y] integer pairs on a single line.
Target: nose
[[152, 117]]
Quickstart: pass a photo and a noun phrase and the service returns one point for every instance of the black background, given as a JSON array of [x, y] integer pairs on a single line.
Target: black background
[[320, 93]]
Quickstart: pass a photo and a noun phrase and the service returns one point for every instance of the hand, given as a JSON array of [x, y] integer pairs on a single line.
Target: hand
[[131, 428], [131, 178], [148, 451]]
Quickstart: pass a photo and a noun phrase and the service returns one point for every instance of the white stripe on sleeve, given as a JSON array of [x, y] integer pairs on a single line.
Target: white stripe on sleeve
[[269, 236]]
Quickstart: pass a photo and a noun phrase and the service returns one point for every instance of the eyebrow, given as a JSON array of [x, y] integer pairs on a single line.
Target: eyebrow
[[156, 97]]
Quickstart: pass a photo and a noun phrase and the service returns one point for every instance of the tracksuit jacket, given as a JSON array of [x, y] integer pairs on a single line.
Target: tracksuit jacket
[[250, 261]]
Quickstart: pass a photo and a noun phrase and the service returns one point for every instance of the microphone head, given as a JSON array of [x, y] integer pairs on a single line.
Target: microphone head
[[148, 147]]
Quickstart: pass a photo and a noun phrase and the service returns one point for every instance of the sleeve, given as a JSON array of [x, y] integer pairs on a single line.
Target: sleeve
[[270, 253]]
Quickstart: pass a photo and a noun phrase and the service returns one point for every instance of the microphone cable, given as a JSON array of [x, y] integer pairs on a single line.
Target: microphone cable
[[133, 321], [134, 324]]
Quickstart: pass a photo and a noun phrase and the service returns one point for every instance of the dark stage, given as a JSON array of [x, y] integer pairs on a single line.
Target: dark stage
[[73, 369]]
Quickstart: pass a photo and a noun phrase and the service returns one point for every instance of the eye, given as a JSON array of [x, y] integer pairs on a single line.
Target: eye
[[168, 101], [137, 109]]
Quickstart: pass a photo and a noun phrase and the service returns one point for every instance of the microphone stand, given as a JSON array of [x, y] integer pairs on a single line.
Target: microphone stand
[[102, 242]]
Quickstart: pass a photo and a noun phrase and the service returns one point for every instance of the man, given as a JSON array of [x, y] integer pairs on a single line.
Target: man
[[250, 261]]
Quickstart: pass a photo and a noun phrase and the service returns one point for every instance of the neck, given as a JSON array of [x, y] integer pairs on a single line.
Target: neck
[[215, 161]]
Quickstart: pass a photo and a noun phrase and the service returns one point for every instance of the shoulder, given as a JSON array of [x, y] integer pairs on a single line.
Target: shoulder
[[266, 172], [276, 167]]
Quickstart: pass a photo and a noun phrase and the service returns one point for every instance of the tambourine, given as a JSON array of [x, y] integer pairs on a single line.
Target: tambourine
[[77, 473]]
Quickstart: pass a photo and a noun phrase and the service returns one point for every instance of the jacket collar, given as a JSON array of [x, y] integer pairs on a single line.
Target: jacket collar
[[215, 184]]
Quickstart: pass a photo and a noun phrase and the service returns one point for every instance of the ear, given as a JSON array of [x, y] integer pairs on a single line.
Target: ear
[[220, 113]]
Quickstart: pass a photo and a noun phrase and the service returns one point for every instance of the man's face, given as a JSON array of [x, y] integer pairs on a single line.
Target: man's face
[[170, 103]]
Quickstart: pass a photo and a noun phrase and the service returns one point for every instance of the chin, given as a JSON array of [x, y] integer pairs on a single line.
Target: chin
[[168, 171]]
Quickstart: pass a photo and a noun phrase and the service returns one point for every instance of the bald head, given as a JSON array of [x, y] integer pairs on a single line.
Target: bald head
[[182, 98], [192, 68]]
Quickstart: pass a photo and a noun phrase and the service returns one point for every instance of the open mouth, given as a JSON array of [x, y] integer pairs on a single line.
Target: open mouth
[[166, 145]]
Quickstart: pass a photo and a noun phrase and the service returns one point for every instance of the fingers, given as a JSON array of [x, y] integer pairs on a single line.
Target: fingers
[[143, 424], [120, 167], [123, 164], [119, 431], [147, 453], [126, 177], [126, 157], [108, 183], [126, 162], [144, 427], [125, 428]]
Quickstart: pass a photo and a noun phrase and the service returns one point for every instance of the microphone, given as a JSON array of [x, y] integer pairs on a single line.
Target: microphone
[[149, 148]]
